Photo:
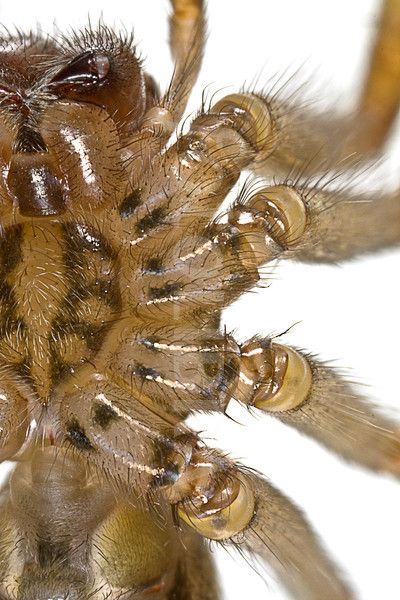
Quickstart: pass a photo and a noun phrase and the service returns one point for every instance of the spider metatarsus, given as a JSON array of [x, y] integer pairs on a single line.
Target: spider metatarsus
[[114, 274]]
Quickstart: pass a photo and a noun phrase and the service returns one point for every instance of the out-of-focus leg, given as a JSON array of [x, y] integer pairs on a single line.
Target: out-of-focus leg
[[311, 140], [380, 98], [187, 26]]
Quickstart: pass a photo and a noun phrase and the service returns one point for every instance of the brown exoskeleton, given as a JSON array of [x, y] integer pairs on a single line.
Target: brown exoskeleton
[[114, 274]]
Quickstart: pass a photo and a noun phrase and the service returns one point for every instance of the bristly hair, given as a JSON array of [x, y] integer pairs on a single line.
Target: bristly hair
[[65, 46], [100, 37]]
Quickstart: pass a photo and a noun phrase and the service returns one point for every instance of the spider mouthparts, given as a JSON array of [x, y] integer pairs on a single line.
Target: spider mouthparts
[[35, 185]]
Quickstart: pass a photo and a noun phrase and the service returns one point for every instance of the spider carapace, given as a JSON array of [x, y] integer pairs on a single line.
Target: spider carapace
[[114, 273]]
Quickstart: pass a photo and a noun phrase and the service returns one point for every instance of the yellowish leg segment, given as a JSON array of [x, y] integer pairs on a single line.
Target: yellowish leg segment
[[187, 25], [310, 141], [223, 502], [379, 102], [187, 40], [315, 225], [315, 399]]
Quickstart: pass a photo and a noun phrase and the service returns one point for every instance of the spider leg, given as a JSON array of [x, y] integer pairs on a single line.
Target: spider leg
[[180, 276], [163, 220], [343, 225], [115, 426], [314, 398], [328, 137], [191, 178], [380, 98], [187, 264], [224, 502], [187, 183], [316, 225], [221, 501], [174, 368], [187, 24], [179, 280]]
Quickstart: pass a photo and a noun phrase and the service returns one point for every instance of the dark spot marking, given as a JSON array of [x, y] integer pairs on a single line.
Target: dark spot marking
[[103, 415], [23, 369], [107, 290], [153, 265], [169, 289], [94, 336], [77, 436], [9, 319], [231, 240], [129, 204], [168, 476], [151, 220], [10, 247], [230, 371], [104, 288], [143, 372], [222, 379], [148, 342], [59, 369], [6, 293]]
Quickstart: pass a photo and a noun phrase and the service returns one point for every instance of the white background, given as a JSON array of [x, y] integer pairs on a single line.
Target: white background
[[349, 313]]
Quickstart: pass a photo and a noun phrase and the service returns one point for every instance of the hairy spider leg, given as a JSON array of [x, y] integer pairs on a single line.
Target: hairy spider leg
[[223, 501], [187, 32], [378, 104]]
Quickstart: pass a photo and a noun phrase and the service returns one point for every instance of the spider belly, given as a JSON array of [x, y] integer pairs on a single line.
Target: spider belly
[[86, 543], [69, 530], [116, 266]]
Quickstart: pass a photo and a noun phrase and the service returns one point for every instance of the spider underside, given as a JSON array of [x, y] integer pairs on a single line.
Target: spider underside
[[114, 273]]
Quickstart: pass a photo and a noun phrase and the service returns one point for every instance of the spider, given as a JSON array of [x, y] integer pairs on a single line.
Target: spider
[[96, 461]]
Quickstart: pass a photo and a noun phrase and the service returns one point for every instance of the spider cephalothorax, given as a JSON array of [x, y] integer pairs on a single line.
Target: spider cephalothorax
[[114, 273]]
